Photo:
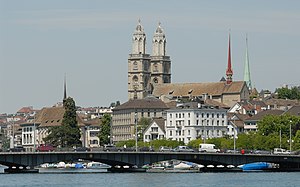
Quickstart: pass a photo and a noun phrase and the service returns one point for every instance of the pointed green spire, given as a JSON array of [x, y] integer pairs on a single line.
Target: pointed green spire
[[247, 77]]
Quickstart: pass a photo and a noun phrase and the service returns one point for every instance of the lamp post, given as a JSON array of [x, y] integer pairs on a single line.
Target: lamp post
[[34, 139], [136, 137], [290, 136]]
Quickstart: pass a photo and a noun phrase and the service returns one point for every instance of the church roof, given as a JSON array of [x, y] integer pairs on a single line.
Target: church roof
[[197, 89], [52, 116]]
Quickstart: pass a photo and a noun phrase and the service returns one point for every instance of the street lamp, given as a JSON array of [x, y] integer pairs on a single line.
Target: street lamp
[[136, 137], [34, 139], [290, 136]]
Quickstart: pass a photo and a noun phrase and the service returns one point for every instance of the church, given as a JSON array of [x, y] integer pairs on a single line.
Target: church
[[151, 74]]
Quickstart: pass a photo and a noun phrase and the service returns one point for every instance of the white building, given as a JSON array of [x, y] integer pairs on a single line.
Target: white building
[[190, 121], [155, 131]]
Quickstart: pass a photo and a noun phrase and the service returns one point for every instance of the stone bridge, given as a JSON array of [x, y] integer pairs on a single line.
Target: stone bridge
[[27, 161]]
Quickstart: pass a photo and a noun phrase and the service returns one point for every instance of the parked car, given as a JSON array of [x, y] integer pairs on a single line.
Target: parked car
[[17, 149], [165, 149], [45, 148], [262, 152], [81, 149], [146, 149], [112, 148], [210, 148], [280, 151], [183, 149]]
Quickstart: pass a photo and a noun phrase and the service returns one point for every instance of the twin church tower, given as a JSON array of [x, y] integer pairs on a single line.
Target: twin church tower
[[145, 70]]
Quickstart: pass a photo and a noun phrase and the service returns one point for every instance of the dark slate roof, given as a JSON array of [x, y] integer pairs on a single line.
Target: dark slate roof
[[160, 122], [294, 110], [146, 103], [263, 113]]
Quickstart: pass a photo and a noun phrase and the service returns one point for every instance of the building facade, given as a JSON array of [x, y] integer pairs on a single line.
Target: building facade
[[155, 131], [190, 121], [126, 116]]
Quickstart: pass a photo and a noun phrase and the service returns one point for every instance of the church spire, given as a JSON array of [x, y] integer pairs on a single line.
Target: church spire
[[229, 71], [139, 40], [65, 88], [159, 42], [247, 77]]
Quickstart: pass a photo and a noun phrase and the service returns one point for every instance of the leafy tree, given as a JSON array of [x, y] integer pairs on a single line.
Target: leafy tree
[[118, 103], [286, 93], [68, 134], [296, 143], [104, 134], [195, 143], [141, 126]]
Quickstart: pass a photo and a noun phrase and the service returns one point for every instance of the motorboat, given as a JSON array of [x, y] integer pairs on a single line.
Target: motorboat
[[256, 166], [97, 165]]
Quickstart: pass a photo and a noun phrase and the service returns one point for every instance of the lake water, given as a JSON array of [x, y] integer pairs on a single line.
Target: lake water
[[240, 179]]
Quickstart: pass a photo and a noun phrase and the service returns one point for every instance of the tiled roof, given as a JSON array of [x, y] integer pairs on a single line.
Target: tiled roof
[[263, 113], [52, 116], [197, 89], [282, 102], [146, 103], [25, 110]]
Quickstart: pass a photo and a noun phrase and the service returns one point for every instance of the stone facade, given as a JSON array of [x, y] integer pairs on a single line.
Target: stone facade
[[145, 71]]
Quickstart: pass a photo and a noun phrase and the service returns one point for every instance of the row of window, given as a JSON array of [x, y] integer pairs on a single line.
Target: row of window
[[202, 132], [203, 122], [181, 115], [27, 129], [27, 139]]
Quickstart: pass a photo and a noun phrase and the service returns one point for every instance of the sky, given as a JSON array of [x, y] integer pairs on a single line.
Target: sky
[[89, 41]]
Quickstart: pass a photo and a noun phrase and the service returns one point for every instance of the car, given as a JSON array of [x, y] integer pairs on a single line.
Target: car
[[17, 149], [112, 148], [280, 151], [82, 149], [45, 148], [262, 152], [146, 149], [165, 149], [183, 149], [210, 148]]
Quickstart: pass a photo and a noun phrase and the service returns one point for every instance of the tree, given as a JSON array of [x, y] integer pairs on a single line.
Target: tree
[[104, 134], [141, 126], [68, 134], [286, 93]]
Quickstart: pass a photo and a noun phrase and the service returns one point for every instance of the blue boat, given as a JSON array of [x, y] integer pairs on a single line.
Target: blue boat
[[256, 166]]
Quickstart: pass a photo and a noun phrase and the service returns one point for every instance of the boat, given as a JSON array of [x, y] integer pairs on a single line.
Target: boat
[[182, 166], [61, 165], [256, 166], [79, 166], [97, 165]]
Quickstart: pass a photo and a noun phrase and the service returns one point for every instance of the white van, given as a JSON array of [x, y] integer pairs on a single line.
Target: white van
[[210, 148]]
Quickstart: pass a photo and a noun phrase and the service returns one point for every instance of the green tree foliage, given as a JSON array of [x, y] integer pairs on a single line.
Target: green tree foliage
[[141, 126], [195, 143], [286, 93], [104, 134], [68, 134], [274, 124]]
